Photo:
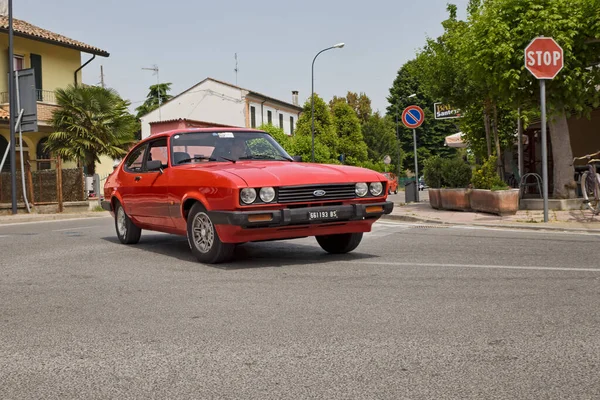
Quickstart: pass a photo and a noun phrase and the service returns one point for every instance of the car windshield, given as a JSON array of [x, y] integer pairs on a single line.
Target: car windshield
[[192, 147]]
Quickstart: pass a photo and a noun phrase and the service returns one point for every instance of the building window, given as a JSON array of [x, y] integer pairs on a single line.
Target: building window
[[18, 63], [269, 117], [291, 125], [252, 117], [281, 121]]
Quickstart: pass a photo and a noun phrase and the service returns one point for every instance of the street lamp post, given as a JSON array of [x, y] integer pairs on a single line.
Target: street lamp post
[[312, 96]]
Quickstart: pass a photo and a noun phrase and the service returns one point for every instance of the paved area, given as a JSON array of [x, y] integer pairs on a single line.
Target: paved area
[[557, 220], [417, 312]]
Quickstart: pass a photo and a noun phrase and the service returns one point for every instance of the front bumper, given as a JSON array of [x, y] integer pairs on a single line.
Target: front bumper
[[301, 216]]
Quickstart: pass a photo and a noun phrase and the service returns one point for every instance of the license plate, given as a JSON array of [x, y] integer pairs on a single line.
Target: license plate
[[320, 215]]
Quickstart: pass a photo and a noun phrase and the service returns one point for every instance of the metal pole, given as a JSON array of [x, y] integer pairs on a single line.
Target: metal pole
[[398, 140], [158, 88], [520, 143], [544, 147], [12, 109], [416, 165], [21, 145], [312, 107]]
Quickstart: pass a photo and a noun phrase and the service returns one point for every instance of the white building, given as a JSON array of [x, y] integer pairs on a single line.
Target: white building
[[221, 103]]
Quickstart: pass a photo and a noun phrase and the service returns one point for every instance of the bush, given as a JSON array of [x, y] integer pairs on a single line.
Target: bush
[[432, 172], [486, 176], [455, 173]]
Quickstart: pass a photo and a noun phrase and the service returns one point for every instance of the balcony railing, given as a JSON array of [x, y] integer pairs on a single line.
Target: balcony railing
[[43, 96]]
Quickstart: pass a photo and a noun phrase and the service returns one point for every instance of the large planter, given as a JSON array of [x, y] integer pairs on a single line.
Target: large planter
[[435, 200], [501, 202], [455, 199]]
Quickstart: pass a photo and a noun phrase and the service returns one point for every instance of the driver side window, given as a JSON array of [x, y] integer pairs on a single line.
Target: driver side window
[[135, 161], [158, 151]]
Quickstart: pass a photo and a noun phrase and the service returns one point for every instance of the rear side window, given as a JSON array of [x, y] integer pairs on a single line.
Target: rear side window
[[135, 160], [158, 151]]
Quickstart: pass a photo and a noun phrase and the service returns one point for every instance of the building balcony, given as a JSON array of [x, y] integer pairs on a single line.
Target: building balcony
[[43, 96]]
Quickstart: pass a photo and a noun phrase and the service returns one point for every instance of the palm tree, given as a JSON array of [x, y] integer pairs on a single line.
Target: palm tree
[[156, 92], [91, 122]]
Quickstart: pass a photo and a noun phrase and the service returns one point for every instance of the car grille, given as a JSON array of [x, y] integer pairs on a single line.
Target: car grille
[[304, 194]]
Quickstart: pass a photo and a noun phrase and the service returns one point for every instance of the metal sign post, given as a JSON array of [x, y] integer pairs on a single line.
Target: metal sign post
[[413, 117], [544, 58]]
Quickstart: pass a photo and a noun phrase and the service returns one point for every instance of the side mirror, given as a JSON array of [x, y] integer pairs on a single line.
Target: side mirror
[[297, 158], [154, 165]]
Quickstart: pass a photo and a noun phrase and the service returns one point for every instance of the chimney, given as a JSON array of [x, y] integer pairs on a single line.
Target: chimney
[[4, 8], [295, 97]]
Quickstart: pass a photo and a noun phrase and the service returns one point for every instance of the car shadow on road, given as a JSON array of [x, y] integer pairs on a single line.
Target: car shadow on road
[[282, 253]]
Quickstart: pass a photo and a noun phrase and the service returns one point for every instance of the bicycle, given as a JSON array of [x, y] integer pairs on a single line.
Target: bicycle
[[589, 185]]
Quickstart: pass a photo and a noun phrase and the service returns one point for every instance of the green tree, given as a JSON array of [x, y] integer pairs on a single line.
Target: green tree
[[350, 139], [431, 134], [380, 136], [360, 103], [279, 135], [499, 32], [325, 134], [91, 122], [156, 92]]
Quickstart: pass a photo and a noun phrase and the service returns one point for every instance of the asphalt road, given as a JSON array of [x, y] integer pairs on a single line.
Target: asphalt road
[[417, 312]]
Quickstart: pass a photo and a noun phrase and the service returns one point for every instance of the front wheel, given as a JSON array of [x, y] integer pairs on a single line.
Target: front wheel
[[204, 240], [341, 243], [127, 232]]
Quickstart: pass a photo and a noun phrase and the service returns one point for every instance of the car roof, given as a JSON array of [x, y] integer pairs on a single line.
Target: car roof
[[191, 130]]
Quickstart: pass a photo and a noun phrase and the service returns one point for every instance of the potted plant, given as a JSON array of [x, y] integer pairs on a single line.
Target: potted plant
[[448, 180], [490, 194]]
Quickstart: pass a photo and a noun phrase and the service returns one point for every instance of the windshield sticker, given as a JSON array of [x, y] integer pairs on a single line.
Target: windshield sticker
[[225, 135], [176, 137]]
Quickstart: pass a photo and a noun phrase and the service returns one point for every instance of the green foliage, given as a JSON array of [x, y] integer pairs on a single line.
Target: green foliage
[[325, 135], [486, 177], [91, 122], [302, 146], [360, 103], [432, 172], [379, 134], [456, 173], [350, 139], [152, 98], [431, 134]]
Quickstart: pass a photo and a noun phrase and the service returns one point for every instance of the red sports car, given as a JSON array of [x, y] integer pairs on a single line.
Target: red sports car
[[222, 187]]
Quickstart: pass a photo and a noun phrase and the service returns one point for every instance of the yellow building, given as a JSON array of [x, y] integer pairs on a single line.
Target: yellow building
[[56, 61]]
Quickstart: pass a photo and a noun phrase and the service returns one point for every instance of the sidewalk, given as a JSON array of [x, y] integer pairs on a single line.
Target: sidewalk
[[578, 221], [33, 217]]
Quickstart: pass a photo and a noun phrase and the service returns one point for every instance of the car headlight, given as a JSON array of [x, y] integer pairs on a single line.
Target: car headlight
[[361, 189], [248, 195], [376, 188], [267, 194]]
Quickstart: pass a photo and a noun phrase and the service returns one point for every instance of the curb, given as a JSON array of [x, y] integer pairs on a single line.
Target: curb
[[406, 218], [29, 218]]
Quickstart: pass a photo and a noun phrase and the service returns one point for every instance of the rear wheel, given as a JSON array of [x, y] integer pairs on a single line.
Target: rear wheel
[[204, 240], [127, 232], [340, 244]]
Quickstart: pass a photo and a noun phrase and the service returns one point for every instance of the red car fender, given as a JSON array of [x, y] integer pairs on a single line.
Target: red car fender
[[195, 195], [116, 196]]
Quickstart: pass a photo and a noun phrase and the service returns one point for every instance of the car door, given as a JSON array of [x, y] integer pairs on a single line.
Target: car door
[[128, 181], [153, 187]]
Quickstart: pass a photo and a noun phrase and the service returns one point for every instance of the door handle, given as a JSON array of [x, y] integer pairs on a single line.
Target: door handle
[[137, 178]]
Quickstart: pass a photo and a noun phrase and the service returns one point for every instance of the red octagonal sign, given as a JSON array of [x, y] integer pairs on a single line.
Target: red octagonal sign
[[544, 58]]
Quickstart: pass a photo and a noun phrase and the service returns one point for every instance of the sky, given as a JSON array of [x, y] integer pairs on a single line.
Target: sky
[[275, 42]]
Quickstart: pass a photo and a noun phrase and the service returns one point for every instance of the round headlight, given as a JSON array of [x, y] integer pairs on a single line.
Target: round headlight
[[361, 189], [267, 194], [248, 195], [376, 188]]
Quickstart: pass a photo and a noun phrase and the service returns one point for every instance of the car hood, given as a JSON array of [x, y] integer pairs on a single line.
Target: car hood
[[276, 173]]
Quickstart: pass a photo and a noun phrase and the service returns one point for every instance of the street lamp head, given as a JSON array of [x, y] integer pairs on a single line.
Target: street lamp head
[[339, 45]]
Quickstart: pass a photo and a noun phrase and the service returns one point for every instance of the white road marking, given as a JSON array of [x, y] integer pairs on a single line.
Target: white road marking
[[406, 264], [53, 220]]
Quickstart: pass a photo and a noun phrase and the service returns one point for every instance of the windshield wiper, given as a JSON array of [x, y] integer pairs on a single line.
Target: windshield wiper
[[264, 157], [196, 158]]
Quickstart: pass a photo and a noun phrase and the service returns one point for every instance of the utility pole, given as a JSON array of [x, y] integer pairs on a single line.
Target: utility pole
[[12, 110], [102, 76], [155, 69]]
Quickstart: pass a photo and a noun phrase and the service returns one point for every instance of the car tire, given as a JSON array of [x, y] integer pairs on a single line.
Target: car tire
[[204, 240], [127, 231], [341, 243], [396, 191]]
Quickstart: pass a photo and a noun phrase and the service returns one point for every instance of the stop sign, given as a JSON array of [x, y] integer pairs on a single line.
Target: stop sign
[[544, 58]]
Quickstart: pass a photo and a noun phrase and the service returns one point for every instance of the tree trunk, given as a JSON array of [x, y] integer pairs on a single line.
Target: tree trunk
[[486, 122], [562, 154], [90, 164], [499, 161]]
